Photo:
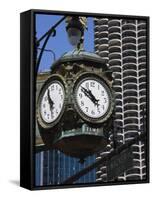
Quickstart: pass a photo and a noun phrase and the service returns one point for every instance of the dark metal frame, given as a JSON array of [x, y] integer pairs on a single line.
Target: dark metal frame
[[28, 88]]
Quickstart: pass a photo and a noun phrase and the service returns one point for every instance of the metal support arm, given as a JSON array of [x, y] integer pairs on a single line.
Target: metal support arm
[[51, 31]]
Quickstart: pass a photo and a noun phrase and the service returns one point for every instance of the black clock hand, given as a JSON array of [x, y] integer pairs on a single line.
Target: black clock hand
[[93, 98], [51, 103], [89, 94], [85, 91]]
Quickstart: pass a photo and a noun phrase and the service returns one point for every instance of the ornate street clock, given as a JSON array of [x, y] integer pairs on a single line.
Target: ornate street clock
[[93, 98], [51, 102], [50, 106], [75, 105]]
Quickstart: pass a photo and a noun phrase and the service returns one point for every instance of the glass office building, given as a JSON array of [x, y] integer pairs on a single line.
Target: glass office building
[[53, 167]]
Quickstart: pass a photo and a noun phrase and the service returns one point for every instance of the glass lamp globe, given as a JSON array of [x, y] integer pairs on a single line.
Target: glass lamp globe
[[74, 35]]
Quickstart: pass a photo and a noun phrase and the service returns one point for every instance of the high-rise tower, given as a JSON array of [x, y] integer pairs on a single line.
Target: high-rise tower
[[122, 43]]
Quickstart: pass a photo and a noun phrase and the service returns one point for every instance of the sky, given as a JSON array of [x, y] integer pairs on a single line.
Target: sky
[[59, 44]]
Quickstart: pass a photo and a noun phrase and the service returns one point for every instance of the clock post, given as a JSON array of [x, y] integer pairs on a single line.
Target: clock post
[[76, 103]]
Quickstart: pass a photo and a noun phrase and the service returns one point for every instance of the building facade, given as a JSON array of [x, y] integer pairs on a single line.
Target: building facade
[[122, 43]]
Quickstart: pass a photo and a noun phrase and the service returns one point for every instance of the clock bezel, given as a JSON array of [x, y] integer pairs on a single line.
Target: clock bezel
[[91, 75], [49, 81]]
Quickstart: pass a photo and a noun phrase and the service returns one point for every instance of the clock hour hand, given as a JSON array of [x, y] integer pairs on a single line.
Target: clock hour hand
[[95, 101], [51, 103]]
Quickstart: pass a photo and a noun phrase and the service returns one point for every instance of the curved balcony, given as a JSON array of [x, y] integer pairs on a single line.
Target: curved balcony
[[135, 170], [130, 135], [113, 36], [130, 108], [142, 39], [128, 21], [129, 46], [126, 40], [115, 62], [103, 34], [142, 92], [119, 120], [114, 29], [142, 46], [130, 72], [128, 111], [118, 109], [118, 89], [104, 27], [130, 100], [142, 65], [114, 22], [130, 92], [103, 54], [128, 26], [103, 40], [129, 87], [141, 33], [128, 79], [133, 176], [102, 21], [118, 95], [114, 49], [114, 42], [130, 114], [128, 131], [131, 120], [130, 83], [103, 47], [129, 59], [143, 100], [128, 52], [115, 55], [141, 26], [97, 41], [128, 139], [142, 72], [142, 52], [96, 29], [129, 66], [128, 33], [117, 82], [142, 78]]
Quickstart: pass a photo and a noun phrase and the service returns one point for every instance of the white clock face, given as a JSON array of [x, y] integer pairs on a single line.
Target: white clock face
[[92, 98], [52, 102]]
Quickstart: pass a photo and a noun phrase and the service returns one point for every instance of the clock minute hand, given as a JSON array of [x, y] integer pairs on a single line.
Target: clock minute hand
[[85, 91]]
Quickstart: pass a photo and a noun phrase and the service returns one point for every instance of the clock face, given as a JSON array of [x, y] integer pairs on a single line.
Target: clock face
[[92, 97], [52, 102]]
